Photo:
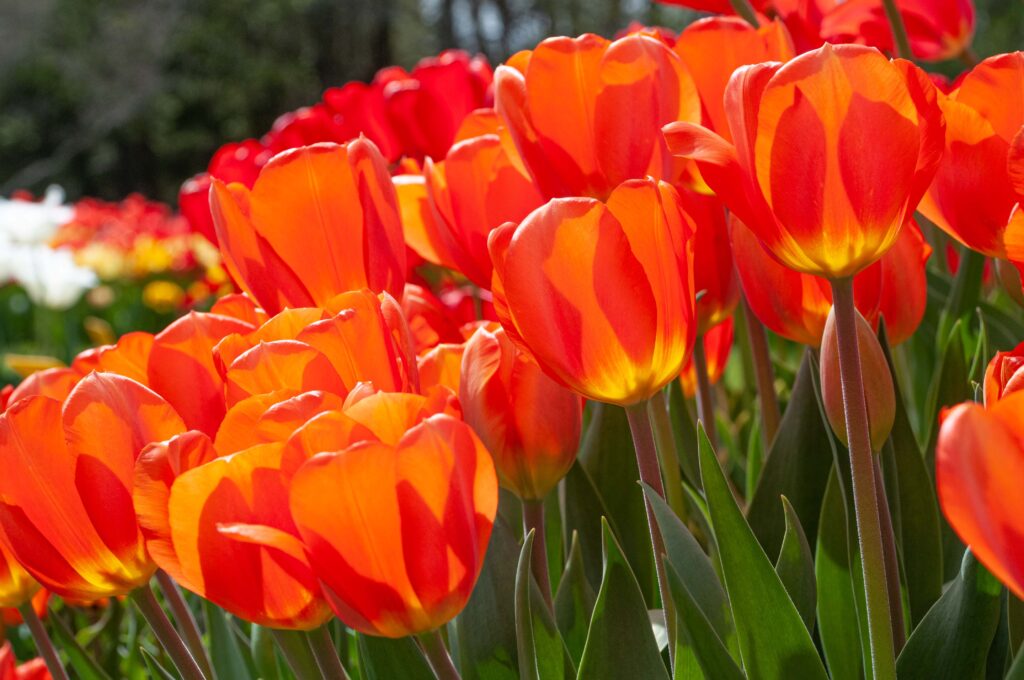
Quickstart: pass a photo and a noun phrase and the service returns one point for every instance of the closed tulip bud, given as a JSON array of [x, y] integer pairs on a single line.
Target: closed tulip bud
[[1004, 375], [878, 387], [529, 423]]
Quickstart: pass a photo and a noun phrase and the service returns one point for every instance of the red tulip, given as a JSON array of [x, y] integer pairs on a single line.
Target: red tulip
[[937, 29], [30, 670], [714, 277], [717, 346], [1004, 375]]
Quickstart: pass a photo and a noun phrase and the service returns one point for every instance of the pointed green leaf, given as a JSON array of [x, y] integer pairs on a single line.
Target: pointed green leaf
[[584, 509], [155, 669], [699, 637], [620, 642], [226, 653], [953, 639], [542, 654], [574, 602], [685, 433], [264, 654], [795, 567], [774, 643], [80, 660], [383, 659], [797, 466], [486, 627]]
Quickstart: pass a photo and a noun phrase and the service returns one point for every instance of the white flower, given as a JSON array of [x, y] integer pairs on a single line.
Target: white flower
[[50, 277], [29, 222]]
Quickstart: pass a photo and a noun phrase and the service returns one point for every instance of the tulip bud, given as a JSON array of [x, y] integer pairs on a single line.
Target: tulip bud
[[878, 388], [1009, 279], [1004, 375]]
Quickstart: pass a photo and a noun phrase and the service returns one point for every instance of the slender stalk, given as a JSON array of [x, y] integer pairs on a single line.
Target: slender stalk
[[437, 655], [186, 621], [647, 462], [765, 375], [326, 654], [533, 518], [145, 600], [746, 10], [899, 30], [294, 647], [869, 532], [892, 565], [43, 642], [705, 399], [668, 453]]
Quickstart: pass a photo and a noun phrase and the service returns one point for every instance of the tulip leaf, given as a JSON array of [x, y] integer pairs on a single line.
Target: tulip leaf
[[797, 466], [795, 567], [294, 647], [574, 602], [699, 643], [155, 669], [264, 654], [226, 655], [953, 639], [542, 654], [584, 509], [773, 641], [383, 659], [80, 660], [837, 604], [685, 433], [486, 627], [620, 642]]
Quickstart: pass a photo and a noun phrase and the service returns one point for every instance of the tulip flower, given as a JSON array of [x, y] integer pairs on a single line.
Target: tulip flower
[[1004, 376], [342, 199], [973, 193], [979, 463], [66, 510], [585, 112], [11, 670], [601, 294], [832, 153], [937, 29], [529, 423], [714, 277], [403, 559], [16, 585], [717, 346]]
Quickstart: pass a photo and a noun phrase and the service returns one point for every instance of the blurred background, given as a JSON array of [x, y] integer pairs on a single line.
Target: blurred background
[[109, 97]]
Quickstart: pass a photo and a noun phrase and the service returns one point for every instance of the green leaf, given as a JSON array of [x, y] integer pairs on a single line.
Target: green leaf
[[700, 643], [226, 652], [574, 602], [383, 659], [795, 567], [837, 605], [298, 656], [685, 433], [584, 509], [80, 660], [542, 654], [486, 627], [953, 639], [155, 669], [774, 643], [797, 466], [264, 654], [620, 642]]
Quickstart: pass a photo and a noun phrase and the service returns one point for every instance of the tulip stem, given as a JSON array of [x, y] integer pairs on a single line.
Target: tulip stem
[[668, 453], [437, 655], [705, 399], [865, 501], [892, 565], [746, 10], [647, 463], [764, 375], [186, 621], [43, 642], [326, 654], [294, 646], [145, 600], [533, 518], [899, 29]]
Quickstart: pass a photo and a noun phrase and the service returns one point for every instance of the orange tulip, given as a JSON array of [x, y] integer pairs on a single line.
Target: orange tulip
[[16, 585], [895, 287], [30, 670], [973, 194], [979, 462], [1004, 375], [66, 509], [714, 277], [937, 29], [833, 151], [717, 346], [601, 294], [529, 423], [403, 559], [585, 113], [319, 220]]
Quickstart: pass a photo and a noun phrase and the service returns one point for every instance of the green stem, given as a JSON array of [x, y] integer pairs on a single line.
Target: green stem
[[43, 642], [965, 293], [746, 10], [294, 647], [326, 654], [892, 565], [899, 30], [186, 621], [145, 600], [668, 453], [765, 376], [437, 655], [533, 518], [705, 399], [647, 463], [865, 501]]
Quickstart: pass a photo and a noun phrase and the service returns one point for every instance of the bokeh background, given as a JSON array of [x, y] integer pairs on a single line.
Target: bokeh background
[[108, 97]]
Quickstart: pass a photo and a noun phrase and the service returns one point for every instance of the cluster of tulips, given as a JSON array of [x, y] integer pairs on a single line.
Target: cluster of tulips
[[464, 293]]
